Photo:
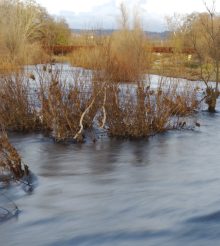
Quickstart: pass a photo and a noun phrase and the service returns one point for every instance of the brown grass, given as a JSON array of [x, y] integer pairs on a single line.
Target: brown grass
[[67, 107], [144, 112], [122, 57], [17, 111], [11, 167]]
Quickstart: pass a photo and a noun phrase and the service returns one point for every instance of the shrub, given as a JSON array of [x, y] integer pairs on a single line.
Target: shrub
[[17, 109], [11, 167]]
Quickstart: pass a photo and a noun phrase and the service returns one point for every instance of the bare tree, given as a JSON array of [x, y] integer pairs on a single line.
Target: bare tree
[[20, 24], [124, 17], [205, 37], [201, 31]]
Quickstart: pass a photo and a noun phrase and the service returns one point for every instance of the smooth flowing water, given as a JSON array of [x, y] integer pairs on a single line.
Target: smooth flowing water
[[161, 191]]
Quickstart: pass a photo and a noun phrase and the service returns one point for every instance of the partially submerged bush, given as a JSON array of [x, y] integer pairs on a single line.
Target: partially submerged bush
[[11, 170], [131, 111], [66, 107], [17, 111], [142, 112], [11, 167], [181, 101], [61, 110]]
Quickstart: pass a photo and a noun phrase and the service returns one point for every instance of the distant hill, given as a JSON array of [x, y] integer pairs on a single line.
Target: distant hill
[[152, 35], [158, 35]]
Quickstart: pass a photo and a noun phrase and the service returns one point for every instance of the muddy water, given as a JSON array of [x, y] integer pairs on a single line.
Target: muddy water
[[161, 191]]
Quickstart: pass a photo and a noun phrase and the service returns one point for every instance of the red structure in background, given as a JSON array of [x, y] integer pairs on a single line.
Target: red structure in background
[[64, 49], [156, 49]]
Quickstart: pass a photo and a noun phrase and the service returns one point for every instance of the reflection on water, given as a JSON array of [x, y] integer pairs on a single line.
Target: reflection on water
[[161, 191]]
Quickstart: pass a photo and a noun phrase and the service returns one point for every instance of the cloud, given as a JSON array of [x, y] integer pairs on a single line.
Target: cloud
[[103, 13], [106, 16], [102, 16], [171, 6], [75, 6]]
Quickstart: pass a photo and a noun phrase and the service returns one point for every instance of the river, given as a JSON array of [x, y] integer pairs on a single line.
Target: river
[[160, 191]]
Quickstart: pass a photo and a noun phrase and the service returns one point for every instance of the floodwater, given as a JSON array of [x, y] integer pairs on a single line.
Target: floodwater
[[160, 191]]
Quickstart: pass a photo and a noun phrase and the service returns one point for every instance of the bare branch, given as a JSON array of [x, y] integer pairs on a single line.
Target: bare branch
[[82, 118], [104, 111]]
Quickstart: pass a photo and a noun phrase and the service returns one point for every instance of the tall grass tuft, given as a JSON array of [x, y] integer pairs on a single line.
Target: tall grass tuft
[[11, 167], [67, 106], [17, 111], [141, 111], [121, 57]]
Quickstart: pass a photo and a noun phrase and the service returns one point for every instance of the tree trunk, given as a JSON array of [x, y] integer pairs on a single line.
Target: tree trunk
[[211, 99], [211, 107], [217, 76]]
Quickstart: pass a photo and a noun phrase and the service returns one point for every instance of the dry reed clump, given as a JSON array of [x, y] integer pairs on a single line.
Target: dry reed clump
[[128, 57], [31, 54], [181, 100], [17, 111], [55, 105], [11, 167], [34, 53], [7, 66], [11, 170], [142, 112], [67, 108], [88, 57], [123, 57]]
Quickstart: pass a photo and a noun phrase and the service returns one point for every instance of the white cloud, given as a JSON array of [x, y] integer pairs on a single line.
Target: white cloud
[[76, 6], [79, 12], [167, 7], [158, 7]]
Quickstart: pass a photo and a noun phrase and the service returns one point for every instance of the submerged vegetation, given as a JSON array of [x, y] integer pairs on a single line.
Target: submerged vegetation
[[115, 96], [65, 105], [111, 92], [12, 170], [11, 167], [46, 100]]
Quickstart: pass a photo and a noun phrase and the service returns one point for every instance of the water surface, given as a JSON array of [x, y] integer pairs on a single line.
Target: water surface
[[160, 191]]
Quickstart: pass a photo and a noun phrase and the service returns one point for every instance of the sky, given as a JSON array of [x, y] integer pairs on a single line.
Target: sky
[[85, 14]]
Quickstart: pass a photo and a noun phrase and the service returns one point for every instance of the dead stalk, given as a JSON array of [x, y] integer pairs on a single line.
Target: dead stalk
[[79, 133], [104, 110]]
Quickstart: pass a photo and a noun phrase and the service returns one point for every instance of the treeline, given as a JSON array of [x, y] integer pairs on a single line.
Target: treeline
[[200, 32], [25, 27]]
